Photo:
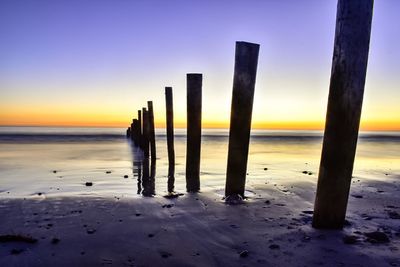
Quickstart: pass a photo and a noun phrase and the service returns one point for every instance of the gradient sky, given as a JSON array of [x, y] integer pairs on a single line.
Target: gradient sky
[[73, 62]]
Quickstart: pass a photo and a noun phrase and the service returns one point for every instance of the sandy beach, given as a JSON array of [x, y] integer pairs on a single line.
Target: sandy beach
[[272, 228]]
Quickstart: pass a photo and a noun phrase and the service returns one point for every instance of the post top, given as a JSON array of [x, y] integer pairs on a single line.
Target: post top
[[247, 43]]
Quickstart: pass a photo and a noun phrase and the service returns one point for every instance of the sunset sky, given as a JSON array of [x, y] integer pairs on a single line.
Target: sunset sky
[[94, 63]]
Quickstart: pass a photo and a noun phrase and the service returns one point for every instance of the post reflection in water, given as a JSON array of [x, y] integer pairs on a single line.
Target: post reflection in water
[[144, 171]]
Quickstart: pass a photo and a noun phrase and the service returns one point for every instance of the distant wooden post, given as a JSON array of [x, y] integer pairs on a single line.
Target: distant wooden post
[[139, 127], [244, 79], [193, 146], [145, 138], [170, 138], [151, 133], [349, 66], [135, 131], [132, 131], [128, 132]]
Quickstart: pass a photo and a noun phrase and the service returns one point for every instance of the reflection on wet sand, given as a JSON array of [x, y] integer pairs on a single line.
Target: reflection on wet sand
[[146, 172]]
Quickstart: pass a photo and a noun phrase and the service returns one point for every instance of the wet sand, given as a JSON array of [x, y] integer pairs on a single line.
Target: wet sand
[[271, 228]]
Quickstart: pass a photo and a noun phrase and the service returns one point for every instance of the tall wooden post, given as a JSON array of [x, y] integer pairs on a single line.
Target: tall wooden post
[[349, 66], [145, 136], [170, 138], [139, 127], [151, 133], [193, 146], [244, 79]]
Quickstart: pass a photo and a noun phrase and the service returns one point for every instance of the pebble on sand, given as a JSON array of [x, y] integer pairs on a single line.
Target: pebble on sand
[[88, 183]]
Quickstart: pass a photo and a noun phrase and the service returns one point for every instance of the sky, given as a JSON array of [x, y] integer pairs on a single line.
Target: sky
[[95, 63]]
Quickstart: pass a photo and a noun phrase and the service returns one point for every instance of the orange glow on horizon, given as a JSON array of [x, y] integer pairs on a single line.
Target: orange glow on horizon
[[285, 125]]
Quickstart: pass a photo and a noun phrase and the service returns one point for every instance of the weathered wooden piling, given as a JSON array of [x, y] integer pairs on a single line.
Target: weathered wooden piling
[[170, 137], [151, 133], [135, 131], [244, 79], [145, 139], [128, 132], [193, 146], [349, 66], [139, 126], [132, 131]]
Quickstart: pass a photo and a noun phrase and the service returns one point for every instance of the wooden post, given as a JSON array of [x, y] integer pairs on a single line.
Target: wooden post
[[170, 138], [128, 132], [132, 131], [151, 133], [135, 132], [193, 146], [349, 66], [139, 127], [244, 79], [145, 133]]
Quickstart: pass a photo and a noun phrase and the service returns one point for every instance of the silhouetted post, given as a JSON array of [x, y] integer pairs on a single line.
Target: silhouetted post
[[128, 132], [145, 133], [135, 131], [132, 131], [151, 133], [139, 127], [244, 79], [349, 66], [193, 146], [170, 138]]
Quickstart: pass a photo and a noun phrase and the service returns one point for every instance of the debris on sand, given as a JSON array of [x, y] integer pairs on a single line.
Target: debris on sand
[[377, 237], [88, 183], [167, 206], [244, 254], [394, 215], [17, 238], [173, 195]]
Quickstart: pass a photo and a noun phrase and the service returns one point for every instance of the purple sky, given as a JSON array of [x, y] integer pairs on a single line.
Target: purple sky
[[117, 54]]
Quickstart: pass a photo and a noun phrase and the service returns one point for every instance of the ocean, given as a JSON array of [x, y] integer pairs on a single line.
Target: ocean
[[55, 161]]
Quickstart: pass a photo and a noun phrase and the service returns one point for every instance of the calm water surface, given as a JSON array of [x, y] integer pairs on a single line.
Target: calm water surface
[[59, 161]]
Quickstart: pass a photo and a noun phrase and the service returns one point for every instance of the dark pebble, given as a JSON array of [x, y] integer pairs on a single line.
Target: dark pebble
[[167, 206], [54, 171], [90, 231], [304, 172], [357, 196], [265, 169], [377, 237], [394, 215], [126, 176], [150, 235], [244, 254], [88, 183], [108, 172], [138, 214], [166, 254], [267, 202], [274, 246]]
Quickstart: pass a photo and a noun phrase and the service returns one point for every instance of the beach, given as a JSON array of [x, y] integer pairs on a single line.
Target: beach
[[45, 195]]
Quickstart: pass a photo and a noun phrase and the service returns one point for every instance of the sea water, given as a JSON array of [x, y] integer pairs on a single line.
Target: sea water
[[44, 161]]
